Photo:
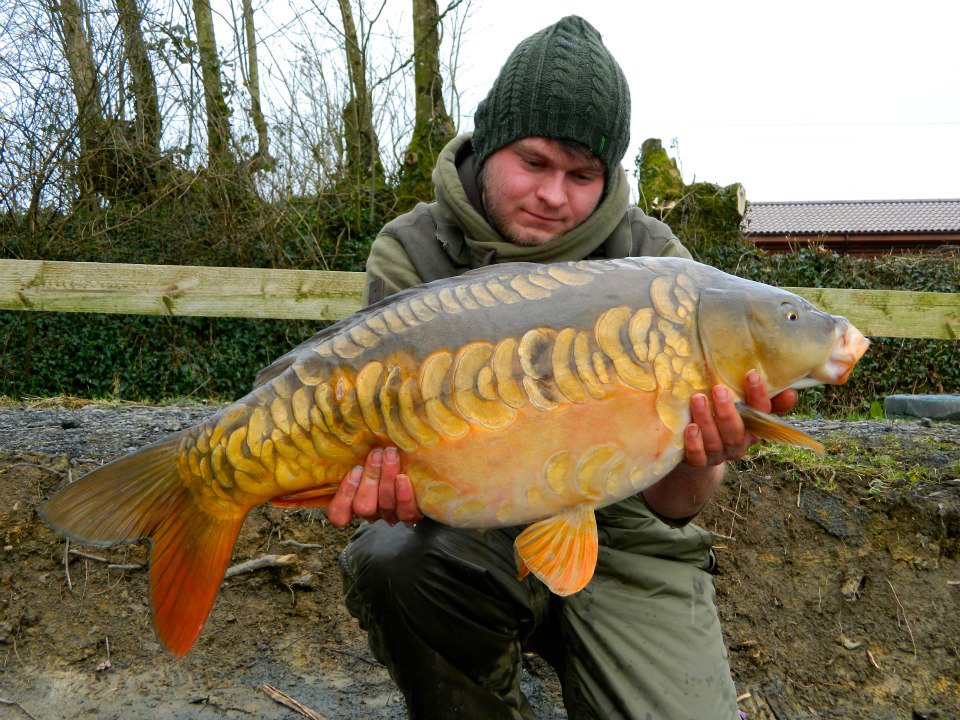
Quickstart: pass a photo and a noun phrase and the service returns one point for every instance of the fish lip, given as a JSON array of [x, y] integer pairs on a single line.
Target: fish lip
[[849, 347]]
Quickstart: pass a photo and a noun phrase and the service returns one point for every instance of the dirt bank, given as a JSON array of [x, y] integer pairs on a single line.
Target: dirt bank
[[839, 588]]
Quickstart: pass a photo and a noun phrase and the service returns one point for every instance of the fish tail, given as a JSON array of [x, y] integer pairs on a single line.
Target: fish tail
[[143, 496]]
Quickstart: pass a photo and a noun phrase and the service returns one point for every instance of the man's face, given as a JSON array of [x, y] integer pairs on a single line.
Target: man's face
[[535, 189]]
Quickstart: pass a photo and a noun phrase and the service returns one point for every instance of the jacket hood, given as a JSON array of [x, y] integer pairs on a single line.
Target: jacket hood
[[481, 239]]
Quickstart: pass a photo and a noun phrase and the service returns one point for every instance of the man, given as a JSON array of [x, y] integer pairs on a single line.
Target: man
[[540, 180]]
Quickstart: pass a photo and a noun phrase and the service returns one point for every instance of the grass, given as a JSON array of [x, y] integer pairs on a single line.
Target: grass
[[875, 468]]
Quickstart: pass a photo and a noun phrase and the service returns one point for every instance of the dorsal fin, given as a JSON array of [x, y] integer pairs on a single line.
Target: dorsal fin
[[283, 363]]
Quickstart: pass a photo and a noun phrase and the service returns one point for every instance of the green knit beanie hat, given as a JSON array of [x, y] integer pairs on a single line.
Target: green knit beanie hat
[[559, 83]]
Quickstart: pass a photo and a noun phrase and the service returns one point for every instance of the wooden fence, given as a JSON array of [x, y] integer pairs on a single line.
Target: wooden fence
[[46, 285]]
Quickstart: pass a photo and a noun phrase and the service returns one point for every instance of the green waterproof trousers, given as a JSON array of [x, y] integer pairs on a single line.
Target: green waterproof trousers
[[445, 613]]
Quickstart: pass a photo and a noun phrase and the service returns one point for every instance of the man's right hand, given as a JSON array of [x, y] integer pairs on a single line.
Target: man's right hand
[[375, 491]]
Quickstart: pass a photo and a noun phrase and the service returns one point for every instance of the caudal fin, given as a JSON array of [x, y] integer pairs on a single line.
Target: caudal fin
[[143, 496]]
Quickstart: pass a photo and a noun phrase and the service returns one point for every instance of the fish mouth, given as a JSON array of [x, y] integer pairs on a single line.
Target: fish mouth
[[847, 351]]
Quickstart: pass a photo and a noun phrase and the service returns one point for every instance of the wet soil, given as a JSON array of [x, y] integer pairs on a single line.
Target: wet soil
[[838, 587]]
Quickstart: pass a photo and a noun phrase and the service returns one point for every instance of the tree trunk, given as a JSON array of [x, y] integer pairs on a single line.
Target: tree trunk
[[363, 165], [262, 160], [433, 127], [118, 160], [69, 21], [144, 83], [219, 154]]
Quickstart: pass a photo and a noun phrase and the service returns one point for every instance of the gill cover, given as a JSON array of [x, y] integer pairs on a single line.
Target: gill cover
[[746, 325]]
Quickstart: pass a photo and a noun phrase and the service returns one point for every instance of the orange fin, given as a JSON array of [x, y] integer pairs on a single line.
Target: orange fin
[[522, 569], [142, 496], [561, 550], [769, 427], [318, 497]]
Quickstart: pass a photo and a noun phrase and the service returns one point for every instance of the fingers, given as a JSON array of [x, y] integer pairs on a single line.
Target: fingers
[[407, 510], [756, 396], [340, 509], [714, 437], [367, 500], [376, 490], [717, 435], [784, 402], [387, 485], [755, 392]]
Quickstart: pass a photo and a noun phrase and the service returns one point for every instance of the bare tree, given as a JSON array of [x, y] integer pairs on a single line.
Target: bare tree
[[433, 127], [362, 147], [68, 21], [148, 124], [219, 139], [119, 158], [262, 160]]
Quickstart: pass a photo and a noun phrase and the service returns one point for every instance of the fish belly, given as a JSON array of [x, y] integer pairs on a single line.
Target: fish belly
[[596, 452]]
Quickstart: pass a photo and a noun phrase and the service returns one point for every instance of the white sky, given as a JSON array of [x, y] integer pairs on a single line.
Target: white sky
[[819, 100]]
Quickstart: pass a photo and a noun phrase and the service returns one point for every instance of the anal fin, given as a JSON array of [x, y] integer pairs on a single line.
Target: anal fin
[[561, 550], [318, 497]]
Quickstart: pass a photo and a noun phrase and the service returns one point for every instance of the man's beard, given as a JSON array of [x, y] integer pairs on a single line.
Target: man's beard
[[501, 225]]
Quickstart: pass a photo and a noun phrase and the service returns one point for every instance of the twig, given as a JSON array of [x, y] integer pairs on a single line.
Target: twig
[[14, 703], [301, 546], [261, 563], [334, 650], [88, 556], [33, 465], [105, 664], [66, 563], [289, 702], [724, 508], [736, 506], [905, 620], [110, 565]]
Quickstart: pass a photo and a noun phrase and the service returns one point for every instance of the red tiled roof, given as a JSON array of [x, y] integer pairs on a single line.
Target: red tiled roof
[[862, 217]]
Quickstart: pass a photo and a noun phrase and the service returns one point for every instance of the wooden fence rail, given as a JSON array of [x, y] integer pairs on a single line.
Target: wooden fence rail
[[319, 295]]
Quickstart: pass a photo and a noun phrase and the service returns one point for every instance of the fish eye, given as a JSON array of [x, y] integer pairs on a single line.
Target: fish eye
[[790, 312]]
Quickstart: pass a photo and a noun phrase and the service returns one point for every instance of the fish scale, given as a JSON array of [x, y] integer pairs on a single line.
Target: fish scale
[[516, 394]]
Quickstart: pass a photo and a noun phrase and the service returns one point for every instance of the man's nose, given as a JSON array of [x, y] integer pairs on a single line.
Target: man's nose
[[551, 190]]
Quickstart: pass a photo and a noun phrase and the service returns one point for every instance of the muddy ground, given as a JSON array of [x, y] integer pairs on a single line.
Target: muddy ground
[[839, 589]]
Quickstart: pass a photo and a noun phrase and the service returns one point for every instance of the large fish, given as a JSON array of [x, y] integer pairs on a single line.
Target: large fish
[[519, 394]]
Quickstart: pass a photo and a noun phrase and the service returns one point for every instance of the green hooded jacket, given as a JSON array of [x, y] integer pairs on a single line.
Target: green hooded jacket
[[452, 235]]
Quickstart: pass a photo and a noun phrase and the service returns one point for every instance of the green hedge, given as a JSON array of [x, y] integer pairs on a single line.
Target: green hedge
[[143, 358]]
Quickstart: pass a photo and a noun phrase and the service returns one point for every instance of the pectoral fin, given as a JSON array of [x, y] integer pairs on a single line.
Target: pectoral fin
[[768, 427], [561, 550]]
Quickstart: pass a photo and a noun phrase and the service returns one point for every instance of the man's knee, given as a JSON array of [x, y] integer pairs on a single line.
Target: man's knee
[[378, 563]]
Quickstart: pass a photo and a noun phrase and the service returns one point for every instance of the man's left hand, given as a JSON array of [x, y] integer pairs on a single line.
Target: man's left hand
[[713, 437]]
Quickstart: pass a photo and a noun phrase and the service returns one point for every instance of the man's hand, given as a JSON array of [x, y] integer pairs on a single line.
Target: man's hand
[[711, 439], [377, 490]]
